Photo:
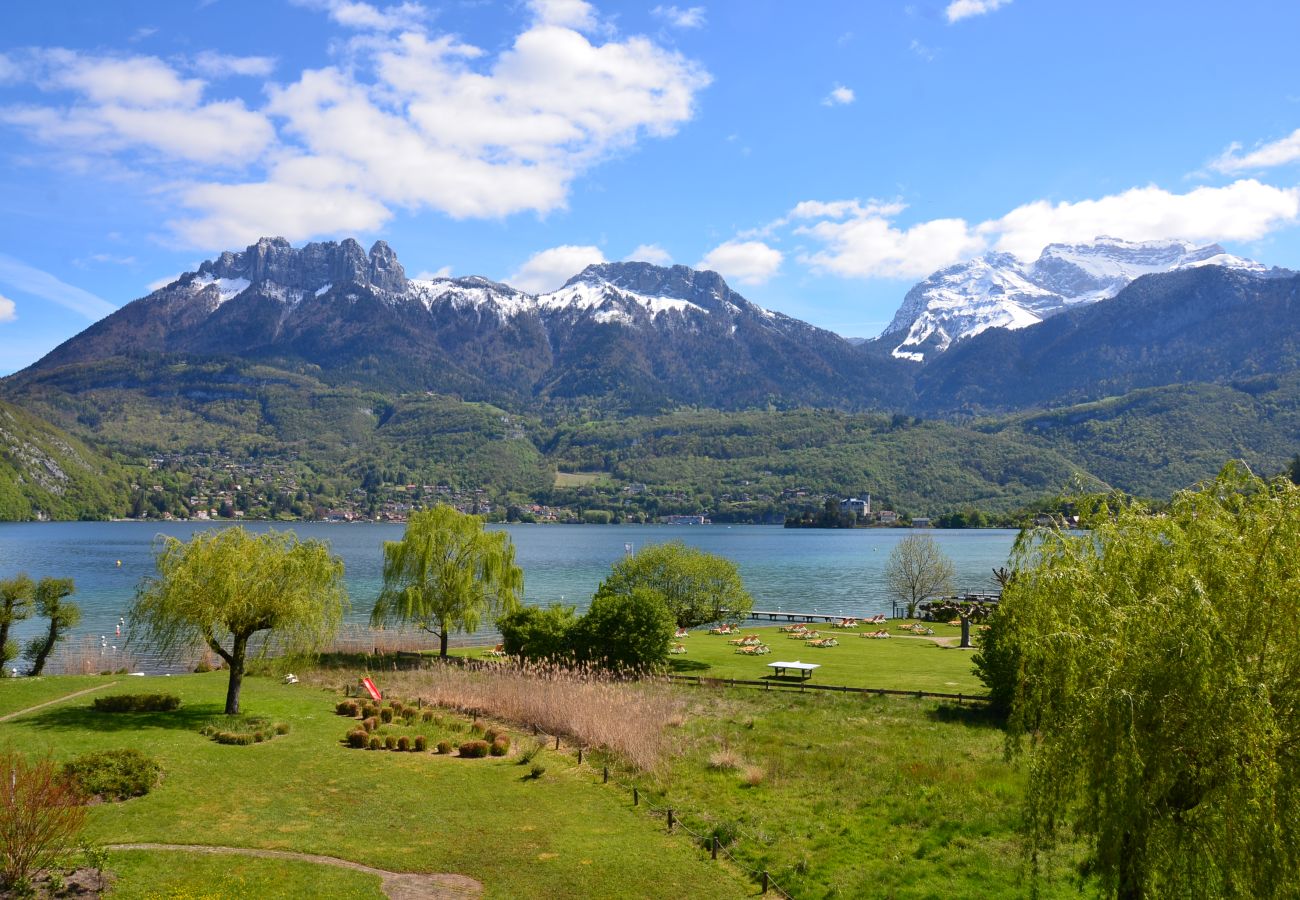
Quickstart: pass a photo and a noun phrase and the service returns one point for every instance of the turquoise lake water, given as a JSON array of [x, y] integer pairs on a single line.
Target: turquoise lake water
[[806, 570]]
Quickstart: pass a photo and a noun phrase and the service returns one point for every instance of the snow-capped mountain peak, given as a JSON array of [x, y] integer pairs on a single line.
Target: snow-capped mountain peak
[[999, 290]]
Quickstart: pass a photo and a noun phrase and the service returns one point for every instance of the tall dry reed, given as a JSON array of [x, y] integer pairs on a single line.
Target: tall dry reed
[[629, 718]]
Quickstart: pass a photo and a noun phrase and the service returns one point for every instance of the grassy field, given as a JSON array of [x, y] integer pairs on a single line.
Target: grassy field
[[578, 479], [23, 693], [553, 836], [851, 796], [899, 663]]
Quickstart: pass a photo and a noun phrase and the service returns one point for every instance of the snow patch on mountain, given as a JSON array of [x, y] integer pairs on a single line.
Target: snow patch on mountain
[[999, 290], [227, 288]]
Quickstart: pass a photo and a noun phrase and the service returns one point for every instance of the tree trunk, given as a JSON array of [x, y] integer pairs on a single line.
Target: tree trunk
[[442, 644], [965, 632], [235, 659], [1130, 883], [38, 664]]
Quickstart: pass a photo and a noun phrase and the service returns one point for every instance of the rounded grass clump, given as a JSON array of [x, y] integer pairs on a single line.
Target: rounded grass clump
[[420, 744], [426, 716], [444, 747], [113, 774], [370, 723], [474, 749], [404, 744], [376, 742], [347, 708], [390, 742], [357, 738], [117, 703]]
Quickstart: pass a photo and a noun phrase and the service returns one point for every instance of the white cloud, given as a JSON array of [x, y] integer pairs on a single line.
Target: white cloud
[[691, 17], [22, 277], [9, 70], [8, 312], [549, 269], [412, 121], [861, 240], [651, 253], [1275, 153], [369, 17], [921, 50], [962, 9], [748, 262], [839, 96], [220, 65], [576, 14]]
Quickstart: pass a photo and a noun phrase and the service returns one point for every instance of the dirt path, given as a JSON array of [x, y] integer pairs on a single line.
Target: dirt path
[[396, 885], [23, 712]]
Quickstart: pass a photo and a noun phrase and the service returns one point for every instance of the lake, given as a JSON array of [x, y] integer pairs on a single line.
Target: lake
[[807, 570]]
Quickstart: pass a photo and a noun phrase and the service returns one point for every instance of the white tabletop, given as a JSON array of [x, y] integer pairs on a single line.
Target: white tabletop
[[794, 665]]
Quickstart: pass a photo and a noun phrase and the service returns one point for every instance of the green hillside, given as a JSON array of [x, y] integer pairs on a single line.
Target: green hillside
[[46, 473]]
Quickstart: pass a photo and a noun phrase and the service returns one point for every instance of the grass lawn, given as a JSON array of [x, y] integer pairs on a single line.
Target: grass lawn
[[556, 836], [851, 796], [24, 693], [151, 874]]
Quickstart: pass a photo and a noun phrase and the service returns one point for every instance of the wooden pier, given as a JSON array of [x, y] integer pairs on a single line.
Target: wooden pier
[[783, 616]]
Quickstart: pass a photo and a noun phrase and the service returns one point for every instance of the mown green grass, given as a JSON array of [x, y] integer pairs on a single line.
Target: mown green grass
[[305, 791], [899, 663], [23, 693], [857, 796], [178, 875]]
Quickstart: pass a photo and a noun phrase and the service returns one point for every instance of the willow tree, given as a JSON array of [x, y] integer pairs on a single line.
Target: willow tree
[[223, 587], [446, 573], [51, 602], [1158, 693], [15, 605]]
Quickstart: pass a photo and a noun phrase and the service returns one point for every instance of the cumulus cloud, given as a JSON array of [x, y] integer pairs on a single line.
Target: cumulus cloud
[[691, 17], [839, 96], [748, 262], [963, 9], [651, 253], [221, 65], [30, 280], [412, 120], [1265, 156], [862, 240], [8, 312], [549, 269], [368, 16]]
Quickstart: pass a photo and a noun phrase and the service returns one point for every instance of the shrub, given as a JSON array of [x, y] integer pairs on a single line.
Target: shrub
[[237, 738], [725, 758], [386, 715], [501, 738], [376, 742], [113, 774], [115, 703], [421, 743], [474, 749], [41, 814], [281, 727], [357, 738], [752, 776], [397, 706], [390, 742], [370, 723], [369, 709], [347, 708], [426, 716], [491, 735], [444, 747], [537, 771], [404, 744], [476, 728], [500, 747]]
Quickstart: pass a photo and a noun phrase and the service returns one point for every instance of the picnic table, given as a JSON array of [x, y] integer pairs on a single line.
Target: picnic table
[[804, 669]]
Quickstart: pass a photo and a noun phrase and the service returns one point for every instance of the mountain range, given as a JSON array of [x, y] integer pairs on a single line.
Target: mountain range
[[330, 354]]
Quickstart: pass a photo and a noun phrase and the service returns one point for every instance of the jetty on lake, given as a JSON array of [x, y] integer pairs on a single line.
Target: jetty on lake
[[985, 598]]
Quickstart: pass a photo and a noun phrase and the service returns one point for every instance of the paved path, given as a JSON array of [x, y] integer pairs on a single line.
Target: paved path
[[23, 712], [396, 885]]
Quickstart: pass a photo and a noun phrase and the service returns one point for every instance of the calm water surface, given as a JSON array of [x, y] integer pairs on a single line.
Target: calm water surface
[[807, 570]]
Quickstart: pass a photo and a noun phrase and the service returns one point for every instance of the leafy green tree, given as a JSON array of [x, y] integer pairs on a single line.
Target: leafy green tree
[[535, 633], [917, 570], [445, 573], [627, 631], [695, 586], [222, 587], [1159, 687], [15, 605], [63, 615]]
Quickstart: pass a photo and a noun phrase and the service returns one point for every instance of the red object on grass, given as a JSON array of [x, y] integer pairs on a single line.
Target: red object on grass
[[374, 691]]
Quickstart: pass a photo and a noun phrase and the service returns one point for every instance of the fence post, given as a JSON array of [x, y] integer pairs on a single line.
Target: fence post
[[670, 819], [636, 798], [579, 755], [715, 846], [606, 781], [557, 742], [764, 881]]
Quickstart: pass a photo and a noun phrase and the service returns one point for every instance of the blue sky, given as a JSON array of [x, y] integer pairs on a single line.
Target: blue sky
[[823, 155]]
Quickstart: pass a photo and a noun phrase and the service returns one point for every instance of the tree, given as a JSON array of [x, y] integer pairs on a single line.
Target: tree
[[1158, 688], [695, 586], [626, 631], [917, 570], [227, 585], [15, 605], [445, 573], [534, 633], [63, 615]]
